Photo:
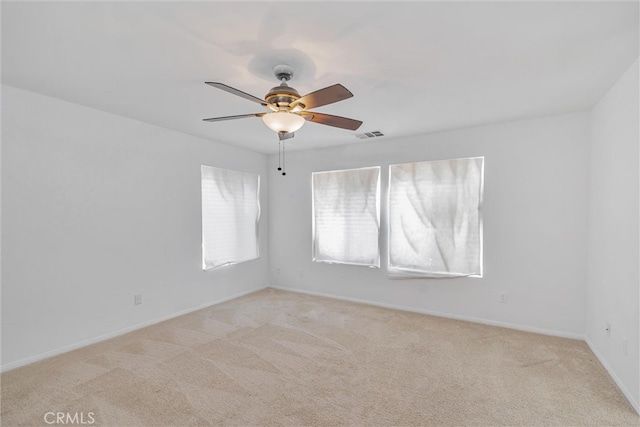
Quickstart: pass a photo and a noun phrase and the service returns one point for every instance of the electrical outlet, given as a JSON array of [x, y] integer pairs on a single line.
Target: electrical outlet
[[301, 273], [625, 346], [137, 299], [503, 298], [277, 270], [607, 329]]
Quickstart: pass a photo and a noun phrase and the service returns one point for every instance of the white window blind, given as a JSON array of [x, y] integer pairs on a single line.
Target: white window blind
[[230, 216], [346, 216], [435, 218]]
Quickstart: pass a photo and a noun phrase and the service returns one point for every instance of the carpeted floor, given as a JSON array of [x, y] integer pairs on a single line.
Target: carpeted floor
[[281, 358]]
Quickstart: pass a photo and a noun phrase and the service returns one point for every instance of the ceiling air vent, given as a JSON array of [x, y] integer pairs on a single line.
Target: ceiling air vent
[[367, 135]]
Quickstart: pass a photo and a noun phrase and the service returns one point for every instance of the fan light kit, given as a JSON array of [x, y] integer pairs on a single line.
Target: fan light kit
[[283, 121], [287, 111]]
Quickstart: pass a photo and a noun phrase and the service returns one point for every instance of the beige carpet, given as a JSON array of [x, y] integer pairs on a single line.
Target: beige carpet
[[281, 358]]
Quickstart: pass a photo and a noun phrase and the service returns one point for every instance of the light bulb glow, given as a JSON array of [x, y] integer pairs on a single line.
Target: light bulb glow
[[283, 121]]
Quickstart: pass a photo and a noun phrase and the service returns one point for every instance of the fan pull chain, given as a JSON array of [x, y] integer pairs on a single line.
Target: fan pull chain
[[283, 172], [279, 154]]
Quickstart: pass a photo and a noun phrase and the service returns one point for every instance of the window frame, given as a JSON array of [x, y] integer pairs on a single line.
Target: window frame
[[205, 266], [398, 273], [378, 219]]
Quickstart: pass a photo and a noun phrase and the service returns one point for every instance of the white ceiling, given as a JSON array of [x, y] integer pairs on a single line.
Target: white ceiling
[[413, 67]]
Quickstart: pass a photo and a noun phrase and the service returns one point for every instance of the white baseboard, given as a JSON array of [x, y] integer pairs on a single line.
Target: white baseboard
[[523, 328], [84, 343], [613, 375]]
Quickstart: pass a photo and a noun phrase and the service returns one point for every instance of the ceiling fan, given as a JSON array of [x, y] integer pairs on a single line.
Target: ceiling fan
[[287, 111]]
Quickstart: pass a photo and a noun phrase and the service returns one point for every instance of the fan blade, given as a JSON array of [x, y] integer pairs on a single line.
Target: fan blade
[[328, 119], [325, 96], [235, 91], [241, 116], [285, 135]]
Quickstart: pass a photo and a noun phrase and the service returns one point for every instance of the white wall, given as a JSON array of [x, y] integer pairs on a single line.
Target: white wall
[[535, 224], [613, 294], [97, 208]]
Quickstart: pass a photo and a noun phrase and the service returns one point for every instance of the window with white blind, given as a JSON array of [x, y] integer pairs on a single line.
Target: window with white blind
[[435, 218], [230, 216], [346, 216]]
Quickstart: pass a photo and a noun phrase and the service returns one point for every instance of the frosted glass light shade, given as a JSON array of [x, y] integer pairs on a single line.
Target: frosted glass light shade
[[282, 121]]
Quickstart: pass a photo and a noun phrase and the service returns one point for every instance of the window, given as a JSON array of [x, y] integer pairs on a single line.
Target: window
[[435, 221], [346, 216], [230, 216]]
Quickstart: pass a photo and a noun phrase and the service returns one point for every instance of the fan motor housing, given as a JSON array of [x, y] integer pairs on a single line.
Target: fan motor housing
[[281, 96]]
